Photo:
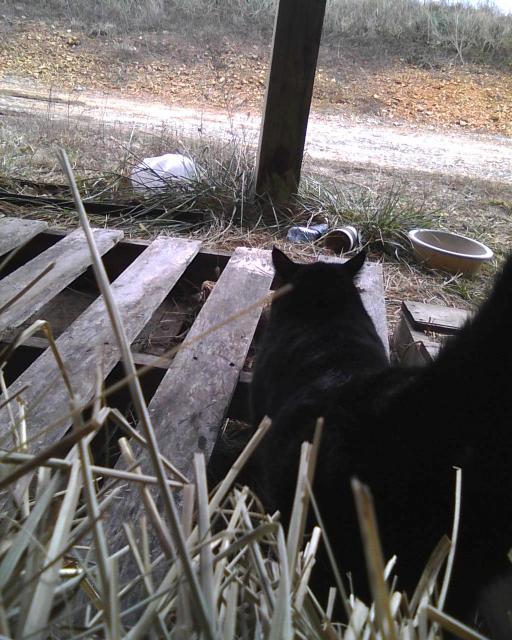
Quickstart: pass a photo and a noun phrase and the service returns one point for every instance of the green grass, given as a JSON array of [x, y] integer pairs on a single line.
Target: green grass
[[383, 216]]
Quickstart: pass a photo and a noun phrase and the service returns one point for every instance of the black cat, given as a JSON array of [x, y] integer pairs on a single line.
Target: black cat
[[401, 431]]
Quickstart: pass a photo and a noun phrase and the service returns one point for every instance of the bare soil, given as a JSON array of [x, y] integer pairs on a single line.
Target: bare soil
[[218, 72]]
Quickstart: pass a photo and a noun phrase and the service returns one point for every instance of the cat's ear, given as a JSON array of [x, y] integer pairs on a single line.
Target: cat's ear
[[284, 267], [354, 264]]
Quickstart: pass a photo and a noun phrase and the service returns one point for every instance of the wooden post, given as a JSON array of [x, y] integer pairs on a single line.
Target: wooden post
[[297, 33]]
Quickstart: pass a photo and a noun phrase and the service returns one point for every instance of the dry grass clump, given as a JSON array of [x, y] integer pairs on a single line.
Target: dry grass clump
[[383, 217], [424, 28], [29, 144], [218, 207], [218, 201]]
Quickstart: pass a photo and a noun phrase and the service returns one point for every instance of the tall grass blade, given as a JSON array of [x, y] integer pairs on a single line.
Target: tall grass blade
[[281, 624], [453, 626], [41, 603], [140, 405], [205, 554], [298, 516], [374, 559], [455, 535], [27, 532]]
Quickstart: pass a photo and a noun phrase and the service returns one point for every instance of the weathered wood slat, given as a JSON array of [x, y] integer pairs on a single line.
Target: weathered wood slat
[[371, 286], [194, 395], [90, 342], [435, 317], [143, 359], [17, 231], [413, 347], [413, 342], [370, 283], [71, 257]]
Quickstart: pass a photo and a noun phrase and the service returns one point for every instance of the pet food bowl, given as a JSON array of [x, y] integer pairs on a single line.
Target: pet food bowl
[[449, 251]]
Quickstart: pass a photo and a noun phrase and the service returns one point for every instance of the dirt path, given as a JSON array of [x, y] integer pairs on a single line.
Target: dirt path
[[333, 138]]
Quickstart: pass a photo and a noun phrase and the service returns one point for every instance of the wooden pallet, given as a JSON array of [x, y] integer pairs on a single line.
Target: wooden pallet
[[190, 395]]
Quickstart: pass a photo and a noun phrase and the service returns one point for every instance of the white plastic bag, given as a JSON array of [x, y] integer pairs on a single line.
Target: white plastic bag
[[156, 173]]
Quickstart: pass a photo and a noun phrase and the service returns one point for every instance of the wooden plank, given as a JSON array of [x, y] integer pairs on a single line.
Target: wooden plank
[[371, 287], [370, 283], [142, 359], [90, 342], [420, 354], [17, 231], [71, 257], [297, 33], [202, 268], [239, 405], [413, 347], [194, 395], [435, 317], [412, 343]]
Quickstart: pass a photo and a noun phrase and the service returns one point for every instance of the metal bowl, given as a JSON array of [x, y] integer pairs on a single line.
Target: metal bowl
[[449, 251]]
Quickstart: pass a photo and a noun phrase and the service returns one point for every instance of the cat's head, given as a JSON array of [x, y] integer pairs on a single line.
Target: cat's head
[[321, 282], [288, 270]]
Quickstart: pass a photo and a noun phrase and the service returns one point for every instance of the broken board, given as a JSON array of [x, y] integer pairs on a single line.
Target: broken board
[[26, 290], [422, 330], [15, 232], [89, 342]]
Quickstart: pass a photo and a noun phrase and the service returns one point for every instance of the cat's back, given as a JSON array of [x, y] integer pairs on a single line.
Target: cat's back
[[319, 334]]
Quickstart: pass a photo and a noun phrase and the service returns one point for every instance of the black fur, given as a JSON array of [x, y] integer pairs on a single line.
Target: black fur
[[401, 431]]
